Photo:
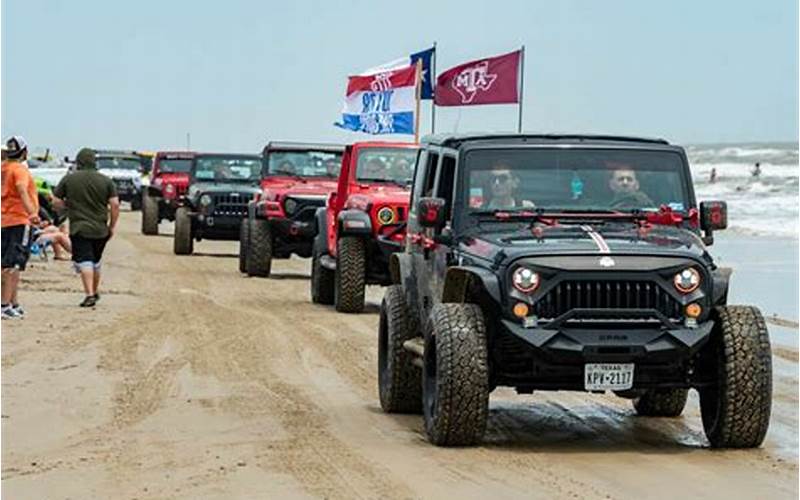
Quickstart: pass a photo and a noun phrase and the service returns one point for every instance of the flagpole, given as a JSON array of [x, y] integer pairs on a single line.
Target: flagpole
[[521, 87], [418, 79], [432, 76]]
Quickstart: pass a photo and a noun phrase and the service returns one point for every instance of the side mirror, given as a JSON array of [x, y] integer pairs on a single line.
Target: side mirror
[[430, 212], [713, 216]]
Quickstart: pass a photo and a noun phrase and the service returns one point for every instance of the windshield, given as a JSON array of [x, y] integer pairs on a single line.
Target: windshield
[[227, 169], [304, 163], [173, 165], [575, 179], [122, 163], [393, 165]]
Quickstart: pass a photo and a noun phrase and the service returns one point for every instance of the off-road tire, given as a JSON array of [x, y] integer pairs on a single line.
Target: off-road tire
[[183, 243], [149, 214], [455, 375], [258, 257], [350, 275], [736, 410], [661, 402], [399, 381], [244, 235], [322, 280]]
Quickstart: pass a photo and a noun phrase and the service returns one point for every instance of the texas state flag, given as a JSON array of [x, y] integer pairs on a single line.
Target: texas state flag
[[381, 103]]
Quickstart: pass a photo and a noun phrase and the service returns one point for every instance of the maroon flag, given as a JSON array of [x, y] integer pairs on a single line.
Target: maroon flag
[[494, 80]]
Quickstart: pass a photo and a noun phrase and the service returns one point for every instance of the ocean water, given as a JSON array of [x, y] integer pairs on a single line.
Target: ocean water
[[767, 205]]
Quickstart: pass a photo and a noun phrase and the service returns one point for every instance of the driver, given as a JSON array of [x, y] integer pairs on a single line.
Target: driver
[[375, 169], [625, 186], [223, 171], [286, 167], [502, 189]]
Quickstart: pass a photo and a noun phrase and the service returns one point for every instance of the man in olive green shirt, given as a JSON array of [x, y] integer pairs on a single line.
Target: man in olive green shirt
[[89, 197]]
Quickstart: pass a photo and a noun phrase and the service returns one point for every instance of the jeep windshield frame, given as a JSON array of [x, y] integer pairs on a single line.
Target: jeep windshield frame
[[223, 168], [111, 162], [371, 158], [596, 163], [302, 163]]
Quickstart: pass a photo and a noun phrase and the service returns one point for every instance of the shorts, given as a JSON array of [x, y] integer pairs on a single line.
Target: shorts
[[87, 252], [16, 246]]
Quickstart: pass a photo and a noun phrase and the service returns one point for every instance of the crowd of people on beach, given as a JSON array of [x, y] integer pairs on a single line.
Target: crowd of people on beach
[[78, 217]]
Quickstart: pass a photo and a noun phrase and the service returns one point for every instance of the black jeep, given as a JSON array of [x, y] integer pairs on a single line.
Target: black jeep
[[220, 186], [553, 262]]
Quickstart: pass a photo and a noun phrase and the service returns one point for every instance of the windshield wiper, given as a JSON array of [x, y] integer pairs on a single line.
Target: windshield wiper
[[390, 181], [293, 175]]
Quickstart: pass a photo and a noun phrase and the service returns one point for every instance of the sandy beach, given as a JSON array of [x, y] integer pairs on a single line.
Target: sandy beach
[[191, 381]]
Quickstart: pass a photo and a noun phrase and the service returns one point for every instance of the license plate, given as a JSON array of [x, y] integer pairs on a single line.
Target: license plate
[[608, 376]]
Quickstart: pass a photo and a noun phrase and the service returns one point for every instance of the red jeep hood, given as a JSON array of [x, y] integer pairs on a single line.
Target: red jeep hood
[[388, 194], [179, 179], [294, 186]]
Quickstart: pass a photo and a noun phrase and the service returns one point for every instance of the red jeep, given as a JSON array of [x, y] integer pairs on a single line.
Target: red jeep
[[169, 180], [363, 223], [296, 181]]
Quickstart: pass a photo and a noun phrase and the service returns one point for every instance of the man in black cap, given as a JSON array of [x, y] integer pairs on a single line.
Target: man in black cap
[[90, 198]]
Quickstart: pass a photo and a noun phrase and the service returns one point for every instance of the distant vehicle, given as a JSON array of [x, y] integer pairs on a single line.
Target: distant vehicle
[[566, 262], [296, 181], [169, 180], [220, 186], [362, 224], [125, 169]]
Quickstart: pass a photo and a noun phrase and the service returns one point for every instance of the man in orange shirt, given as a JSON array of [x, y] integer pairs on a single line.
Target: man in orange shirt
[[20, 208]]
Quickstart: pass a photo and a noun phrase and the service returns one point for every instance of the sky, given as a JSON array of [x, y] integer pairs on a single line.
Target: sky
[[143, 74]]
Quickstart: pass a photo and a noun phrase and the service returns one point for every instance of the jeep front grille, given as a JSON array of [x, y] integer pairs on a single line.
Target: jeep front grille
[[232, 205], [597, 294]]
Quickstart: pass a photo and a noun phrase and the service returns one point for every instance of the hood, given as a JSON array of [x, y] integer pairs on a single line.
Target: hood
[[384, 194], [178, 178], [121, 173], [617, 238], [293, 186], [222, 187]]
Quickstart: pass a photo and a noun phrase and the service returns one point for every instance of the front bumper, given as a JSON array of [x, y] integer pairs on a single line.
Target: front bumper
[[553, 357], [211, 227]]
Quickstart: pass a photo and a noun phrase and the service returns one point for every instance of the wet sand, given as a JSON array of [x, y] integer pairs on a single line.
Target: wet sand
[[191, 381]]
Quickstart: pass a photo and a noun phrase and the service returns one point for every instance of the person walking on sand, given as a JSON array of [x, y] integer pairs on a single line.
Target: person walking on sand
[[93, 210], [20, 209]]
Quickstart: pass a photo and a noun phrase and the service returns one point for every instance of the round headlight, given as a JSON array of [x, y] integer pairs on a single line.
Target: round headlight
[[205, 200], [687, 280], [169, 188], [385, 215], [525, 280], [290, 206]]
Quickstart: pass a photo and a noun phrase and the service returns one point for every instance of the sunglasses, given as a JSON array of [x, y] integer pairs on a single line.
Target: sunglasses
[[501, 178]]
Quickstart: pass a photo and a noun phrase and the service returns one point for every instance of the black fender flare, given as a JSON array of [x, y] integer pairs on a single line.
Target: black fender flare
[[252, 209], [721, 278], [154, 192], [321, 229], [400, 268], [459, 279], [357, 216]]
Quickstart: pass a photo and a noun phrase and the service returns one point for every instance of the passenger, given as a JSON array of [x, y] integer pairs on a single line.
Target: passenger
[[401, 169], [332, 167], [625, 186], [375, 168], [502, 188]]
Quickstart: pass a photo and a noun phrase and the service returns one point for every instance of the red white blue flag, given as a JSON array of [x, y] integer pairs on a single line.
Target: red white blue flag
[[381, 103]]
